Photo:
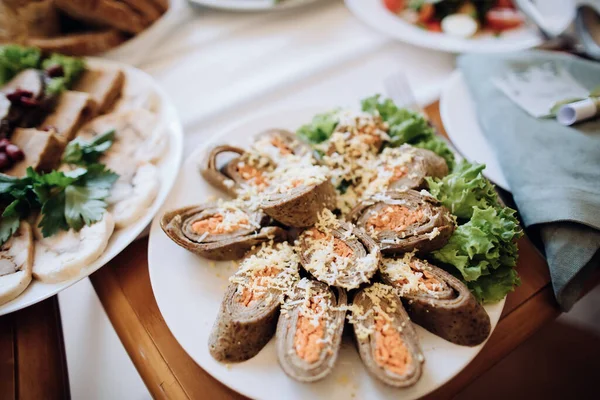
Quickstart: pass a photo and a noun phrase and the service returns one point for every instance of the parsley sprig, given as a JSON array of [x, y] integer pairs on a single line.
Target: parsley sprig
[[67, 200]]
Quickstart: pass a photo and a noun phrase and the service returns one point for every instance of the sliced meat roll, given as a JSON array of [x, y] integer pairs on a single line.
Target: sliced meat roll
[[298, 194], [386, 340], [248, 315], [337, 253], [16, 262], [309, 331], [404, 220], [405, 167], [247, 171], [437, 301], [63, 255], [219, 231], [281, 146]]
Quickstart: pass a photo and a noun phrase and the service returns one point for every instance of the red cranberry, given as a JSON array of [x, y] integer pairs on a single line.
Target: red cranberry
[[3, 143], [18, 95], [26, 101], [5, 162], [55, 71], [14, 153]]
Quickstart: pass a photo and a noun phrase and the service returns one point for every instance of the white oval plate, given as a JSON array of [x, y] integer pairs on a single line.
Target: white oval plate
[[189, 289], [252, 5], [459, 117], [558, 13], [168, 168]]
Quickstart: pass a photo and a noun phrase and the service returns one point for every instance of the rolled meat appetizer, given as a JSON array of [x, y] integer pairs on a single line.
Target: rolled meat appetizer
[[219, 231], [405, 167], [437, 301], [281, 146], [309, 331], [248, 315], [404, 220], [16, 263], [246, 170], [386, 340], [297, 195], [337, 253]]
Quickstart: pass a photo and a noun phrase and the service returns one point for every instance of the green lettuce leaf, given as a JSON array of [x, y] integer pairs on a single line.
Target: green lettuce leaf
[[495, 286], [14, 59], [320, 128], [406, 126], [464, 189], [72, 67]]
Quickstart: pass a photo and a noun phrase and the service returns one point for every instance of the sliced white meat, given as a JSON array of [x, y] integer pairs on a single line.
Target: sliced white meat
[[16, 261], [138, 136], [133, 194], [138, 93], [62, 256]]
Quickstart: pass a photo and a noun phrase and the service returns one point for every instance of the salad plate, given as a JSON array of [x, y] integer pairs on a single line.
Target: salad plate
[[374, 13], [189, 290], [252, 5], [459, 117], [138, 87]]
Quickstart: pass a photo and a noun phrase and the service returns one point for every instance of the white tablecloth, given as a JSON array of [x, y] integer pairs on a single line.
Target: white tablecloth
[[221, 67]]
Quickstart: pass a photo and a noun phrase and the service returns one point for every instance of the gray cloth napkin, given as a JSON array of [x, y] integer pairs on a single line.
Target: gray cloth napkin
[[553, 171]]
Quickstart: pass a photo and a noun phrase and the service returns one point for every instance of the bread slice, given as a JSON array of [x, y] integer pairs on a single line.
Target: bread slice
[[22, 19], [104, 13], [147, 8], [16, 254], [80, 44], [72, 111]]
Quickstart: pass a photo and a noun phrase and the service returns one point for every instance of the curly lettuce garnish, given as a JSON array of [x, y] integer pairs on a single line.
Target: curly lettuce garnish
[[482, 249], [406, 126], [320, 128]]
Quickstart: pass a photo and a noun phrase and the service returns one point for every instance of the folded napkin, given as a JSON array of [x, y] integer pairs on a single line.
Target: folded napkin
[[553, 170]]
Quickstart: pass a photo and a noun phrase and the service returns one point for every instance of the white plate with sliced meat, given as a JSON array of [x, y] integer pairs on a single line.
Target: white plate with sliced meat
[[146, 153], [189, 290]]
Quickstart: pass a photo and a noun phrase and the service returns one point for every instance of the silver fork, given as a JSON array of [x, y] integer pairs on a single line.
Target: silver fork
[[398, 89]]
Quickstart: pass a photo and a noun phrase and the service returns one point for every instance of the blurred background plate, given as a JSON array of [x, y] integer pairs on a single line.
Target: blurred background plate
[[558, 14], [459, 117], [252, 5]]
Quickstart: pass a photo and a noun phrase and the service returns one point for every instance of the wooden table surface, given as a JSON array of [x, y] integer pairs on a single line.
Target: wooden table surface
[[32, 361]]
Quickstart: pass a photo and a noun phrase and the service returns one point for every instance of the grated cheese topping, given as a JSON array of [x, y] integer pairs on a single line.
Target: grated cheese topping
[[272, 267], [409, 276], [384, 302]]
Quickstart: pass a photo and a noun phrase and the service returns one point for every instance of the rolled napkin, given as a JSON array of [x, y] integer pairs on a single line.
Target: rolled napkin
[[553, 170]]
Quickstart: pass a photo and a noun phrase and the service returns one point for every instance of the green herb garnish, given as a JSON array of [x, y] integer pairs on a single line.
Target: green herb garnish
[[81, 152]]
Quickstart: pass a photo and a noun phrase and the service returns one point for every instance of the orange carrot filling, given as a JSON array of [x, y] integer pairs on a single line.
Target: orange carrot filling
[[280, 144], [252, 175], [395, 217], [390, 351], [339, 246], [307, 339], [214, 225], [398, 173], [258, 285]]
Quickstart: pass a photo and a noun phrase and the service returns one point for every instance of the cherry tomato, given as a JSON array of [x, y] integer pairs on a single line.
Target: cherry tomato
[[501, 19], [433, 26], [504, 4], [426, 13], [394, 6]]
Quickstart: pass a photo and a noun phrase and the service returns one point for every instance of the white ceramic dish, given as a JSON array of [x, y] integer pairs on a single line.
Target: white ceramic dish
[[252, 5], [189, 290], [558, 13], [459, 117], [168, 168]]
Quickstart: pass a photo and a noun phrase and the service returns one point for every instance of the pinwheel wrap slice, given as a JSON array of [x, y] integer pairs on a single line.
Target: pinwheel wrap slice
[[444, 306], [404, 220], [229, 245], [279, 144], [424, 163], [363, 259], [306, 358], [387, 342], [230, 178], [247, 318], [299, 207]]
